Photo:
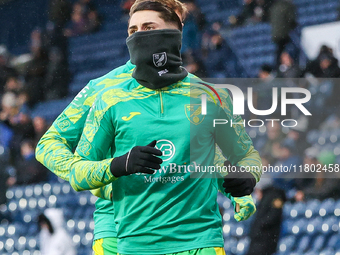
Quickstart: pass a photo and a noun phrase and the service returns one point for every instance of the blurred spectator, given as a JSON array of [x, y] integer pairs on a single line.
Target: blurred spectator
[[266, 73], [333, 121], [126, 6], [17, 118], [306, 179], [194, 12], [288, 68], [270, 145], [47, 76], [8, 106], [13, 84], [40, 127], [28, 169], [193, 25], [252, 12], [283, 21], [5, 69], [53, 237], [57, 76], [3, 183], [298, 135], [261, 100], [79, 23], [5, 137], [266, 226], [325, 182], [217, 55], [84, 19], [329, 66], [59, 12], [37, 68], [287, 158], [91, 14], [325, 65], [246, 15], [193, 63], [261, 11], [53, 39]]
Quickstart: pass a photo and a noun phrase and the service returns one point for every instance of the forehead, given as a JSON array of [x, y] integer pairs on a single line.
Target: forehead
[[146, 16]]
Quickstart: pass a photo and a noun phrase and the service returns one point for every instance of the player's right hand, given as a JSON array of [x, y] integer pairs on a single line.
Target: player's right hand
[[140, 159], [246, 207]]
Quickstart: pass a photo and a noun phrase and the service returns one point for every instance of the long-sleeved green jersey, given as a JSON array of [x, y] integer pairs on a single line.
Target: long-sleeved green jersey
[[54, 149], [168, 211]]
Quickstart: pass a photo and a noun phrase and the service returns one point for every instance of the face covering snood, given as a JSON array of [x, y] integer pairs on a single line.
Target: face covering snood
[[157, 57]]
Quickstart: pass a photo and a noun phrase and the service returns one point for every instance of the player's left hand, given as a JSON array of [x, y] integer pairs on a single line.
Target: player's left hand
[[246, 207], [239, 184]]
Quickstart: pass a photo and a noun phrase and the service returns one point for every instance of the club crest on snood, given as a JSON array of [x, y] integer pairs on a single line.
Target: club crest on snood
[[157, 56]]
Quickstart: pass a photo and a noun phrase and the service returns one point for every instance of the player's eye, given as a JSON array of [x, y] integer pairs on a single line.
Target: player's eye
[[149, 28], [133, 31]]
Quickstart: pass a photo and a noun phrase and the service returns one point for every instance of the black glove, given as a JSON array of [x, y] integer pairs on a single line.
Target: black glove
[[140, 159], [238, 183]]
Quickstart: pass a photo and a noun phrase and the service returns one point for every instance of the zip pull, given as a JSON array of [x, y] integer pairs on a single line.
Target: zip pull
[[161, 99]]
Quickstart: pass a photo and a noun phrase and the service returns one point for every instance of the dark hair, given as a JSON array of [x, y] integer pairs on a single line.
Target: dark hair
[[175, 5], [42, 219], [165, 13], [266, 68]]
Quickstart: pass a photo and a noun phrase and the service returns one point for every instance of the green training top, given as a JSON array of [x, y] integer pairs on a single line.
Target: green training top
[[168, 211], [54, 149]]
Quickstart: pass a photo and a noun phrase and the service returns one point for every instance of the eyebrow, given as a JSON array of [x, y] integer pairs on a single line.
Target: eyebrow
[[143, 25]]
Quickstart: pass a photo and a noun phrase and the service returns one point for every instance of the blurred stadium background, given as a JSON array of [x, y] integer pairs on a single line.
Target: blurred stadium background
[[46, 60]]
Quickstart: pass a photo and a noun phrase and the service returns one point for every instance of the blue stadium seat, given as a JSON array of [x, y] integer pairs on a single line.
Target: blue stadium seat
[[227, 204], [227, 230], [242, 246], [286, 210], [327, 251], [9, 245], [303, 244], [70, 225], [76, 240], [337, 208], [230, 245], [56, 189], [318, 243], [311, 253], [313, 136], [80, 226], [3, 228], [237, 230], [54, 107], [89, 224], [18, 192], [314, 226], [29, 191], [298, 210], [333, 242], [327, 207], [32, 242], [20, 244], [312, 208], [299, 227], [286, 244]]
